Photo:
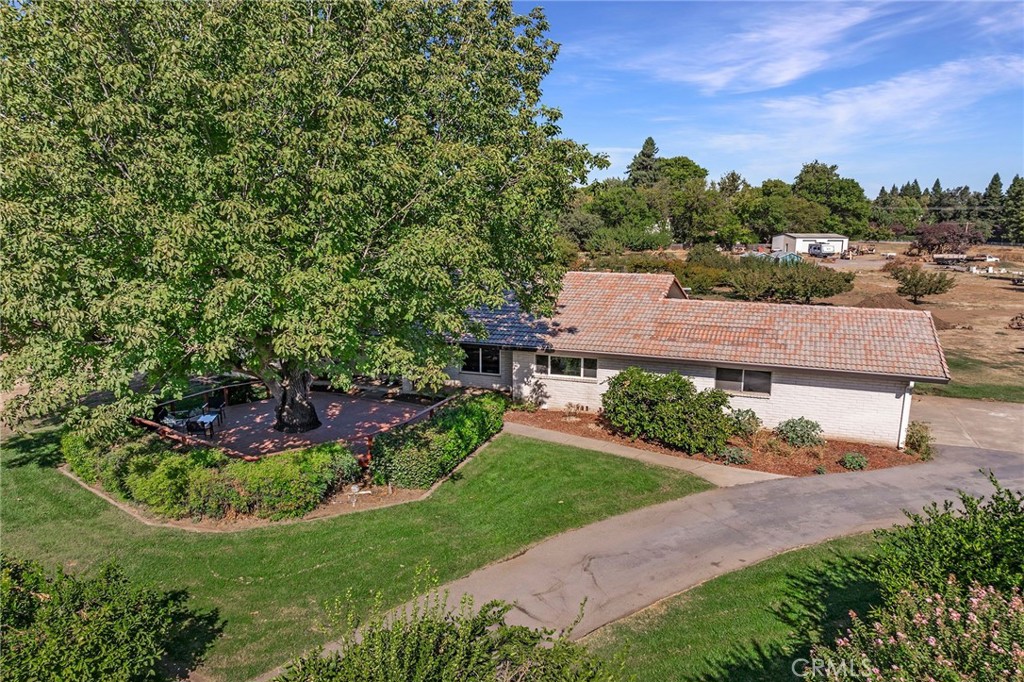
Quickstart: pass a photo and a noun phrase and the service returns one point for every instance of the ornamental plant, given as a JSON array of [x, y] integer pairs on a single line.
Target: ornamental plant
[[978, 540], [975, 634], [854, 461], [745, 423], [800, 432], [432, 642], [668, 409]]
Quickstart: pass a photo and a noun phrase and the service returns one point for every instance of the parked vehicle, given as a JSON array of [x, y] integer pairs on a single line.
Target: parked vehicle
[[821, 250]]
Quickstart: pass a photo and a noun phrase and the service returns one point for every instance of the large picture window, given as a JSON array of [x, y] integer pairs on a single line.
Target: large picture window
[[743, 380], [566, 366], [482, 360]]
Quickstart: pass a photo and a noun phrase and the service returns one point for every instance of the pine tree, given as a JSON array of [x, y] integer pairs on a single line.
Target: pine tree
[[990, 208], [643, 169], [1012, 221]]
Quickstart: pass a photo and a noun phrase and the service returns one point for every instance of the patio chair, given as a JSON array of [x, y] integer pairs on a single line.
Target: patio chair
[[193, 426], [168, 418], [215, 405]]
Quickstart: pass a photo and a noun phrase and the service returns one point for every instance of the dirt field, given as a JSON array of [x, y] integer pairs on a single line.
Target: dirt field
[[986, 358]]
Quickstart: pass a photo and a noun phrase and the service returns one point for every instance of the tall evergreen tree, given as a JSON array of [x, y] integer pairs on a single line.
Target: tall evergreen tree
[[643, 171], [1013, 211], [991, 209]]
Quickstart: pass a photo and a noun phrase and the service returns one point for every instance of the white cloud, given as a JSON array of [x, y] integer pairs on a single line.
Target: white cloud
[[915, 105]]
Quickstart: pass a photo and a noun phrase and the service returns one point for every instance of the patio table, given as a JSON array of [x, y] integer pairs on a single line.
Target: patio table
[[206, 421]]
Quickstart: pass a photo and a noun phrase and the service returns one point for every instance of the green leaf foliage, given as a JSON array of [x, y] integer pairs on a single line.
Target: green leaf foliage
[[668, 409], [69, 628], [854, 461], [965, 633], [800, 432], [915, 283], [416, 455], [919, 440], [980, 540], [204, 483], [193, 187], [699, 278], [745, 423], [431, 642], [763, 279]]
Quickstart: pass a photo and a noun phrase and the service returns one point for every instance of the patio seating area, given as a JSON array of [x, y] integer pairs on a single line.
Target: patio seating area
[[248, 428]]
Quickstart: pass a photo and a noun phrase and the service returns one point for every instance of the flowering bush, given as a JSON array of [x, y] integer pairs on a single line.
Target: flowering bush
[[979, 540], [975, 634]]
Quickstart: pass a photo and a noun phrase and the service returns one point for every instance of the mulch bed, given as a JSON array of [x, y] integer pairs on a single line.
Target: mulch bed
[[767, 454]]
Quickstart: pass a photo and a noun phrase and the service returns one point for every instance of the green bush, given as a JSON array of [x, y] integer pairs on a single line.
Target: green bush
[[175, 482], [668, 409], [733, 455], [417, 455], [289, 484], [854, 461], [763, 279], [919, 441], [983, 542], [973, 634], [745, 423], [820, 469], [68, 628], [79, 456], [710, 257], [800, 432], [431, 642]]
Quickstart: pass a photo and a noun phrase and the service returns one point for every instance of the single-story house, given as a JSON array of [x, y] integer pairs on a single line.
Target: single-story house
[[852, 370], [800, 242]]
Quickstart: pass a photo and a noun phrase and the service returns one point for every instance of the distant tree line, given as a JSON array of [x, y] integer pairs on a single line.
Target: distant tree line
[[670, 199]]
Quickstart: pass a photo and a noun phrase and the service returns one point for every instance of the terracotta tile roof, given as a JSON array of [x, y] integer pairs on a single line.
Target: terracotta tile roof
[[631, 314]]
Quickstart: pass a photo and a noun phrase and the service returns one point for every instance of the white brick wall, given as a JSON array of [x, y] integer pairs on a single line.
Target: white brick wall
[[866, 409]]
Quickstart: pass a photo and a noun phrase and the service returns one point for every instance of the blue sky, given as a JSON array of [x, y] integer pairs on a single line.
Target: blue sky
[[888, 91]]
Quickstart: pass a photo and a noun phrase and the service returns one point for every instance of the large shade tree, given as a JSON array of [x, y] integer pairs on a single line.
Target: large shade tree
[[277, 188]]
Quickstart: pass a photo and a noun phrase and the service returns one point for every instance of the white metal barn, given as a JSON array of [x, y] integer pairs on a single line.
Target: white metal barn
[[800, 242]]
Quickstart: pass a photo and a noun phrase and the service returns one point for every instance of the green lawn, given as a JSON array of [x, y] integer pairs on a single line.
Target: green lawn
[[972, 380], [268, 586], [750, 624]]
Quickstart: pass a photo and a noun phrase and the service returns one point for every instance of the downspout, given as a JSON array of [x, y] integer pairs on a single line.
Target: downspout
[[905, 414]]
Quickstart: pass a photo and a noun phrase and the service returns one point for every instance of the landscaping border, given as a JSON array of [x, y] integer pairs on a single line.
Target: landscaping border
[[257, 523]]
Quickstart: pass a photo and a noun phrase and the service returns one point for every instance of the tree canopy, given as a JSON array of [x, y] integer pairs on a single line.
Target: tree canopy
[[276, 188]]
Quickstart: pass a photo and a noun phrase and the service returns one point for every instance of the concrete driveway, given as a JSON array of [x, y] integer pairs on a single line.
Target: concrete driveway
[[972, 423], [628, 562]]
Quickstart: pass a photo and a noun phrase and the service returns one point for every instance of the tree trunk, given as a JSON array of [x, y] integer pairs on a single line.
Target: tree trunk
[[295, 410]]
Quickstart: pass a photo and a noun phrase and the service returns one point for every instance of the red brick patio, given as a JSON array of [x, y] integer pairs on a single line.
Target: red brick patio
[[249, 428]]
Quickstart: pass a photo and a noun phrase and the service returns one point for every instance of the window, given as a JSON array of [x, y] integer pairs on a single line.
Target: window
[[743, 380], [482, 360], [566, 366]]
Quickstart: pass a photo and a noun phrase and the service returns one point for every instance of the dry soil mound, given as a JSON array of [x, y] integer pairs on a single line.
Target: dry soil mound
[[894, 301]]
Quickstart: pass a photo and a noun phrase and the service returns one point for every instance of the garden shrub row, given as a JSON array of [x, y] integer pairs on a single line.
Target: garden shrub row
[[667, 408], [66, 628], [176, 483], [418, 454]]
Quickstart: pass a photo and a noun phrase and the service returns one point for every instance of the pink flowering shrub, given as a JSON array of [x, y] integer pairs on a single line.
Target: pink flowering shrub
[[975, 634]]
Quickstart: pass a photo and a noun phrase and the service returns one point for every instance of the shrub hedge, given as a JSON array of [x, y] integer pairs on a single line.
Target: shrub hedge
[[667, 408], [416, 455], [174, 482], [982, 541], [67, 628]]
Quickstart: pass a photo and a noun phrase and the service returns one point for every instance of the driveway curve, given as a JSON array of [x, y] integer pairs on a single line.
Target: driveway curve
[[628, 562]]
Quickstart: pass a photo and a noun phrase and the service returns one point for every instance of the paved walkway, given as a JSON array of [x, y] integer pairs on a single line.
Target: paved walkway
[[720, 475], [972, 423]]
